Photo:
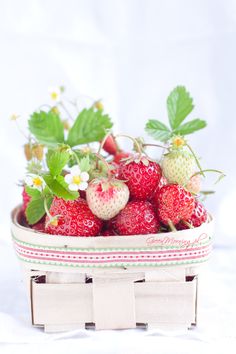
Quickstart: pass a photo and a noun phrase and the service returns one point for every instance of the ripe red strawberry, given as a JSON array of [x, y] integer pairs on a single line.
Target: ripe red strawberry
[[141, 177], [74, 219], [119, 156], [174, 204], [110, 145], [163, 182], [107, 197], [26, 199], [198, 217], [137, 218]]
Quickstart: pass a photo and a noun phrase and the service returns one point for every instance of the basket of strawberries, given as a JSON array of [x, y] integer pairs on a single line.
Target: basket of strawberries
[[107, 238]]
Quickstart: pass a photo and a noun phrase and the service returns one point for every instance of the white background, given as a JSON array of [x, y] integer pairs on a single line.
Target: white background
[[131, 54]]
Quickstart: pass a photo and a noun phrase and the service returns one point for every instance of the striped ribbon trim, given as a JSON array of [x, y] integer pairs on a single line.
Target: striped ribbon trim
[[153, 256]]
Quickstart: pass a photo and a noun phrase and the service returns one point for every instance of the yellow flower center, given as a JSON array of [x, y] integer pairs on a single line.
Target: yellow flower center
[[54, 95], [14, 117], [178, 141], [55, 109], [37, 182], [99, 105], [76, 179]]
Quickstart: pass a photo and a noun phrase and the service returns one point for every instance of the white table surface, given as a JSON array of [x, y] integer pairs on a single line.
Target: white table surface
[[216, 330]]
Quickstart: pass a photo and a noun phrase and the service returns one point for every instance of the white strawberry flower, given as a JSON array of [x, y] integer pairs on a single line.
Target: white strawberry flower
[[55, 94], [76, 179], [35, 181]]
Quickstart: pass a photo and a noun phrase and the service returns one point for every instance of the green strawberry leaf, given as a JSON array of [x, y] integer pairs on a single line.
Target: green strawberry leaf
[[35, 209], [179, 105], [47, 127], [59, 187], [85, 164], [56, 161], [190, 127], [90, 125], [32, 192], [157, 130]]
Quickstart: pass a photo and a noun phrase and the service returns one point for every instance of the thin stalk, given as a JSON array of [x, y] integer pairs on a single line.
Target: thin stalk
[[100, 157], [222, 175], [20, 130], [134, 141], [196, 159], [187, 224], [103, 142], [156, 145], [66, 110], [172, 226]]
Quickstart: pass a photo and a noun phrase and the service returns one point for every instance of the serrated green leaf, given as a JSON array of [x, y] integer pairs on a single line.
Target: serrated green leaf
[[47, 127], [157, 130], [56, 161], [91, 125], [35, 209], [32, 192], [84, 164], [59, 187], [179, 105], [190, 127]]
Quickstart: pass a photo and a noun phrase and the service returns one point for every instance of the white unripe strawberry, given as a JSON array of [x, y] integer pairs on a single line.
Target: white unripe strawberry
[[106, 197], [178, 166]]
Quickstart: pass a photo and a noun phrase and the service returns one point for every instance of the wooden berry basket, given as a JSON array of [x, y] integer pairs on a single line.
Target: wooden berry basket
[[112, 282]]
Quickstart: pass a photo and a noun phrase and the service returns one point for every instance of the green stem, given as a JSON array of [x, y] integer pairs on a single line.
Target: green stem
[[20, 130], [172, 226], [187, 224], [100, 157], [46, 208], [75, 156], [103, 142], [196, 159]]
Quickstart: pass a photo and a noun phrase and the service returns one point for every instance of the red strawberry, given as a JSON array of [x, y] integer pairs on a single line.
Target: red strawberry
[[110, 145], [137, 218], [141, 177], [163, 182], [119, 156], [174, 204], [198, 217], [74, 219], [26, 199]]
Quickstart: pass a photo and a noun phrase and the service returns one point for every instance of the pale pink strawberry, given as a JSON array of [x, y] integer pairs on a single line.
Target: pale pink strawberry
[[174, 203], [194, 184], [142, 178], [107, 197]]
